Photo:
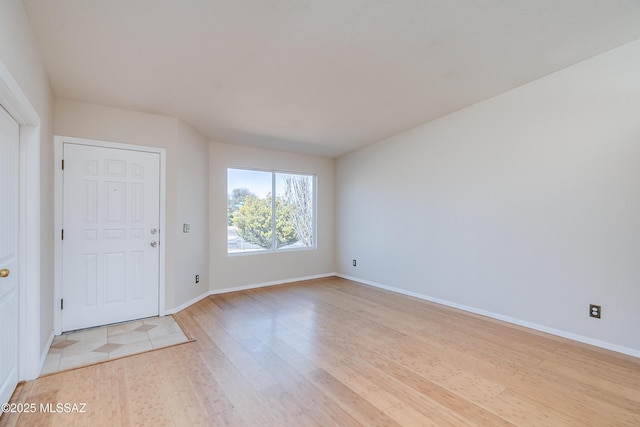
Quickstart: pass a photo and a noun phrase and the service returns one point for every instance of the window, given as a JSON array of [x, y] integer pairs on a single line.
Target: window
[[269, 211]]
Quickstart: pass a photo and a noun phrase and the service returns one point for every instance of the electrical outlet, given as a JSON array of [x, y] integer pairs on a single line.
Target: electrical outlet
[[595, 311], [197, 278], [354, 262]]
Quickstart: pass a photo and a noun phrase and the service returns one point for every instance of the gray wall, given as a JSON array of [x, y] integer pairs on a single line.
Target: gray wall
[[524, 207]]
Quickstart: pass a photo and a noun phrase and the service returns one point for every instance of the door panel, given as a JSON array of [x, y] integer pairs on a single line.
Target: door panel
[[110, 219], [9, 210]]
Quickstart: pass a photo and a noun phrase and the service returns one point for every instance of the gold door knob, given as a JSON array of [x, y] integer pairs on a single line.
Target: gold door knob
[[4, 273]]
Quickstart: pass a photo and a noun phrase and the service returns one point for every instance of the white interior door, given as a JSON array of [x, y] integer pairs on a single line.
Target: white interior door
[[111, 217], [9, 209]]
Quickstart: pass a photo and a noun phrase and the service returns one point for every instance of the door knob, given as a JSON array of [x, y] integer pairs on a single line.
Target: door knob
[[4, 273], [153, 231], [154, 244]]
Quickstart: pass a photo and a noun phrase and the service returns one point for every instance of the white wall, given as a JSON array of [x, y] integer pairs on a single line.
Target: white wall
[[187, 175], [192, 255], [19, 53], [248, 270], [525, 206]]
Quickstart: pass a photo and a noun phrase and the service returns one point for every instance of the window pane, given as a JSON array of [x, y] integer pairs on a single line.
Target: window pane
[[294, 211], [249, 210]]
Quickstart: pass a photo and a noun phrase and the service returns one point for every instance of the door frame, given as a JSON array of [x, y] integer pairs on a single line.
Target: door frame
[[13, 99], [58, 205]]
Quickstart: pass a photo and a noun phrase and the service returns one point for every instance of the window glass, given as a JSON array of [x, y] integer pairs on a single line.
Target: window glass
[[294, 210], [269, 211]]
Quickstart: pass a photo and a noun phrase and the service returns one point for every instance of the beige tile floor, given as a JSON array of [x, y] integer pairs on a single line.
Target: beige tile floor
[[88, 346]]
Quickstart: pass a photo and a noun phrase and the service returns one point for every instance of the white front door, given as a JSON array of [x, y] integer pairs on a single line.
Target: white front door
[[111, 217], [9, 209]]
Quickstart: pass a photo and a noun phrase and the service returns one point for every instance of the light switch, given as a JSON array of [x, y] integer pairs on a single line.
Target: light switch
[[186, 228]]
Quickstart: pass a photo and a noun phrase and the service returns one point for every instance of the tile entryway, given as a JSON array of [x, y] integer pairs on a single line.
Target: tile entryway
[[89, 346]]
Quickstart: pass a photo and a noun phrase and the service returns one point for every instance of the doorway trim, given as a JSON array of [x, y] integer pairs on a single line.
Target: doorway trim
[[58, 205], [17, 104]]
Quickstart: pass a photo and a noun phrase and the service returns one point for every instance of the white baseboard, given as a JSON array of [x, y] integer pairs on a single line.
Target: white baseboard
[[244, 288], [508, 319], [47, 347], [187, 304], [265, 284]]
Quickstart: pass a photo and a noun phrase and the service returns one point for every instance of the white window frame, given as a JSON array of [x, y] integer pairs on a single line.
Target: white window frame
[[314, 220]]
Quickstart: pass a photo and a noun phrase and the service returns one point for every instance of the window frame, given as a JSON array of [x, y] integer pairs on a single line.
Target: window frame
[[314, 219]]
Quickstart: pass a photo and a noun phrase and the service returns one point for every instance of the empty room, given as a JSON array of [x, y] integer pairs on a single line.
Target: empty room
[[316, 213]]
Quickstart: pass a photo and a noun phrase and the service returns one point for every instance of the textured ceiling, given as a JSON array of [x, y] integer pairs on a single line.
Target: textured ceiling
[[314, 76]]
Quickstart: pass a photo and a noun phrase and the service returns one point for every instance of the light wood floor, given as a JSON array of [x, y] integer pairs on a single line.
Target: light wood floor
[[333, 352]]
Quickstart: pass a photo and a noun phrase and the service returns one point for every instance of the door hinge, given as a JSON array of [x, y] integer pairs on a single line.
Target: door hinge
[[61, 304], [62, 234], [62, 164]]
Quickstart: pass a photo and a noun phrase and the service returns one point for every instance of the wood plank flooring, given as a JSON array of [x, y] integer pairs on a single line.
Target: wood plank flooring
[[333, 352]]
